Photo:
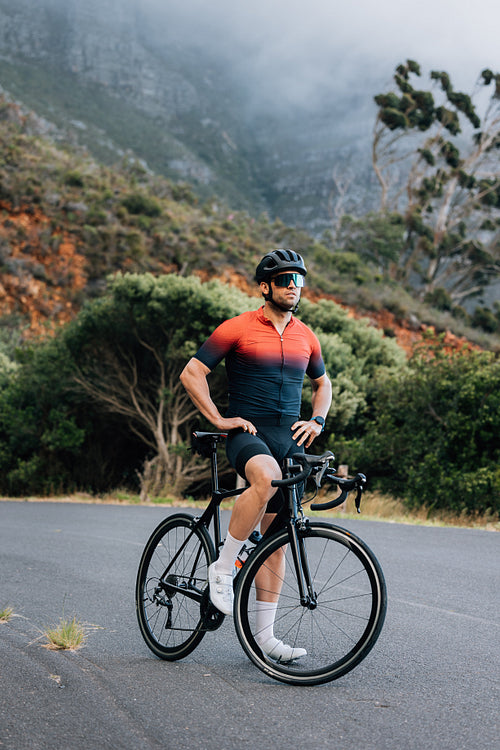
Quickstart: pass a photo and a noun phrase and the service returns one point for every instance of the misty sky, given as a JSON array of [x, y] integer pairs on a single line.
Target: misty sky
[[302, 48]]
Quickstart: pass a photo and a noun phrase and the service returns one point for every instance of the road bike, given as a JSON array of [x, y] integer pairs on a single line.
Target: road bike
[[329, 585]]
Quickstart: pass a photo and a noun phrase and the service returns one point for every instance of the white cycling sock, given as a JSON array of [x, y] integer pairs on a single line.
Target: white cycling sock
[[228, 555], [265, 612]]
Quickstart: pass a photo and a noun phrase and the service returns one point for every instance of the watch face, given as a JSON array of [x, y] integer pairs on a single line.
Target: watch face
[[319, 420]]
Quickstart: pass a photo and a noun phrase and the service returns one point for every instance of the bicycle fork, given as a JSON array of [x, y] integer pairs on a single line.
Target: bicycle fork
[[308, 596]]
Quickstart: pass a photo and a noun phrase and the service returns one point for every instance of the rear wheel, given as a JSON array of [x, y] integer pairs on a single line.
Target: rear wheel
[[172, 604], [337, 627]]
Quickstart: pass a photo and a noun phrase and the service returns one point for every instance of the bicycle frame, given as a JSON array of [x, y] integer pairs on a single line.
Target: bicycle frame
[[289, 516]]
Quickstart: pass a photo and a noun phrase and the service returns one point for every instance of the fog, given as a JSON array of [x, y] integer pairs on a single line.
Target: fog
[[299, 51], [291, 83]]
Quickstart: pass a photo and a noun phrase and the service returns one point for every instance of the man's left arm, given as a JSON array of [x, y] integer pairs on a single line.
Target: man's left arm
[[305, 431]]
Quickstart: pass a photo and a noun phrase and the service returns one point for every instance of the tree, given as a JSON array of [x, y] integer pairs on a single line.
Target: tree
[[130, 347], [437, 163], [39, 434], [375, 237]]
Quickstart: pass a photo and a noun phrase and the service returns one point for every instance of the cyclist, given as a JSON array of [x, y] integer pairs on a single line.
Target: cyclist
[[267, 353]]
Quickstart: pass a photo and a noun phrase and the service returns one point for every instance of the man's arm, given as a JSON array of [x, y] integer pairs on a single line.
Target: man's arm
[[307, 431], [194, 379]]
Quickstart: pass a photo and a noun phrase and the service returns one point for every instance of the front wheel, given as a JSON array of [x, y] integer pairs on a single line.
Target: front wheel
[[337, 626], [172, 604]]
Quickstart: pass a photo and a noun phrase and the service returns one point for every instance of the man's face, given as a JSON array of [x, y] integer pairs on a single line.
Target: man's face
[[286, 288]]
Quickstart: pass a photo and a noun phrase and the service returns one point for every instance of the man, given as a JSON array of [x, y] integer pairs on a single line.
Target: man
[[267, 353]]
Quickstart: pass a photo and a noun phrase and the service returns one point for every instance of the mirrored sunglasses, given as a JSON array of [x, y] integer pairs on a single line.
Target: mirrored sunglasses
[[284, 279]]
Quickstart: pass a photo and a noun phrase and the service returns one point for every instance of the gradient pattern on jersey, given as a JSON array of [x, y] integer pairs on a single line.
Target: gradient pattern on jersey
[[265, 370]]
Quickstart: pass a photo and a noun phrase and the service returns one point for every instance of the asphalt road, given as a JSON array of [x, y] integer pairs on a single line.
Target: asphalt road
[[430, 682]]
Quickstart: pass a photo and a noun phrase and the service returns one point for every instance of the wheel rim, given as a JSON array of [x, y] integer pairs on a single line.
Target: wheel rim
[[169, 595], [342, 622]]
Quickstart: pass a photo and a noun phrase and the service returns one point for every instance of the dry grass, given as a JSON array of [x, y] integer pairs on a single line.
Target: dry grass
[[380, 507], [67, 635]]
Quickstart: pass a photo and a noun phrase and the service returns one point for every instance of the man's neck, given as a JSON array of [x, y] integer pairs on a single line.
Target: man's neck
[[279, 318]]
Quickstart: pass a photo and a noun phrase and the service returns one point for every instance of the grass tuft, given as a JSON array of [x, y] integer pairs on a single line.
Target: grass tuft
[[68, 635], [6, 614]]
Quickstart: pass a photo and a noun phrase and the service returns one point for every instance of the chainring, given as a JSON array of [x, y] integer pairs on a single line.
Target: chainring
[[211, 617]]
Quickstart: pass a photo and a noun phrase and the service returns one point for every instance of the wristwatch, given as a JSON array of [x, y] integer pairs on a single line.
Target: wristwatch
[[320, 421]]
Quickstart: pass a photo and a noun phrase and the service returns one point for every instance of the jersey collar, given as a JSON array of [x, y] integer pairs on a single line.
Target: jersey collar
[[262, 318]]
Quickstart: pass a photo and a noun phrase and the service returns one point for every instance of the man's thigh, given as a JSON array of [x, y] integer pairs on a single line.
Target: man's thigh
[[241, 447]]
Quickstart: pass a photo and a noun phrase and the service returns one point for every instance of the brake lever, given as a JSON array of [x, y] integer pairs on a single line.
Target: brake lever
[[318, 477], [361, 486], [357, 500]]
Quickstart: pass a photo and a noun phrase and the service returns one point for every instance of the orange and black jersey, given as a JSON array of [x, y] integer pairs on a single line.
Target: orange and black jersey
[[265, 369]]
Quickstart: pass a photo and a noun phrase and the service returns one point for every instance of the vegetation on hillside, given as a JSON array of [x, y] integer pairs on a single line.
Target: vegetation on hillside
[[99, 405], [111, 263], [431, 433], [115, 369], [66, 222]]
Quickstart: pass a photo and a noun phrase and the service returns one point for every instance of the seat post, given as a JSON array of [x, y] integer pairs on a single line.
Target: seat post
[[213, 464], [215, 490]]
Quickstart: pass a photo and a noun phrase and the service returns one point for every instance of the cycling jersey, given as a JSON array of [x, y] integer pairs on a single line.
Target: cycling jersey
[[265, 369]]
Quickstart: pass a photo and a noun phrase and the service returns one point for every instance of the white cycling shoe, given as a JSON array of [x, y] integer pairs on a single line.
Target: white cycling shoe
[[280, 651], [221, 590]]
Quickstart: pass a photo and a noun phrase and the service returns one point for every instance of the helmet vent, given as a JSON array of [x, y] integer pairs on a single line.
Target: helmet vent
[[279, 260]]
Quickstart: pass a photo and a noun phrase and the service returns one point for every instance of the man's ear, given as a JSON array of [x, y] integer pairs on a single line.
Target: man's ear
[[264, 287]]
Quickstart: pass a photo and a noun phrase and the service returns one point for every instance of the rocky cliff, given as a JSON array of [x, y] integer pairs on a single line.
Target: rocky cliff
[[119, 79]]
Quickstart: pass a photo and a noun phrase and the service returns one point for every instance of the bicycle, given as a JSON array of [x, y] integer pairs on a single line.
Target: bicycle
[[331, 591]]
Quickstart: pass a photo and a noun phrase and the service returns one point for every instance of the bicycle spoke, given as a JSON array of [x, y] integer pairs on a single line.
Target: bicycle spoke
[[170, 583], [337, 625]]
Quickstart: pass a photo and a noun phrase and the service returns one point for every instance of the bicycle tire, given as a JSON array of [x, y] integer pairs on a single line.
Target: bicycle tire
[[349, 613], [172, 622]]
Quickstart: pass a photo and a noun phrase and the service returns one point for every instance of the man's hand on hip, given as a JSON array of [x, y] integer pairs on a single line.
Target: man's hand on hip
[[306, 431], [234, 423]]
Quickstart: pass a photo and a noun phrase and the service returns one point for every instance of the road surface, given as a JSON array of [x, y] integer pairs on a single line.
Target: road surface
[[430, 682]]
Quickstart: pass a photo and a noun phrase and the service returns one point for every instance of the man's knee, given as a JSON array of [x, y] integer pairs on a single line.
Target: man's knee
[[260, 472]]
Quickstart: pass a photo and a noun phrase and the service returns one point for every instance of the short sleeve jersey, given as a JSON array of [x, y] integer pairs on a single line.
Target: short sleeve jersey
[[265, 369]]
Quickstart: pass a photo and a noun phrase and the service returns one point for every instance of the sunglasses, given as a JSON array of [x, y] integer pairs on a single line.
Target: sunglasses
[[284, 279]]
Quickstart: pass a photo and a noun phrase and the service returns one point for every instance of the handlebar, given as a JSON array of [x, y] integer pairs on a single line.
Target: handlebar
[[318, 467], [295, 479], [346, 485]]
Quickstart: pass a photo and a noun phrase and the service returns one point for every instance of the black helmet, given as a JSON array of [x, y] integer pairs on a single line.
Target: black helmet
[[277, 261]]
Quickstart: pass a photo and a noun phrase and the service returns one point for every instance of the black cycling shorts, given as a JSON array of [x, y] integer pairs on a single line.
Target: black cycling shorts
[[271, 440]]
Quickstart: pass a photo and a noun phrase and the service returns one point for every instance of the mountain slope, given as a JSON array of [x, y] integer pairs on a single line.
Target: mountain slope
[[106, 73], [66, 222]]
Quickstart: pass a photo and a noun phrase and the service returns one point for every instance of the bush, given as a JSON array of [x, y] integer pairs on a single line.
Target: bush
[[439, 298], [51, 438], [432, 434], [74, 178], [484, 318], [141, 203]]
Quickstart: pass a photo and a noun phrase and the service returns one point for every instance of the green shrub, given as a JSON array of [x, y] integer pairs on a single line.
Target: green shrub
[[486, 319], [439, 298], [74, 178], [142, 203], [431, 436]]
